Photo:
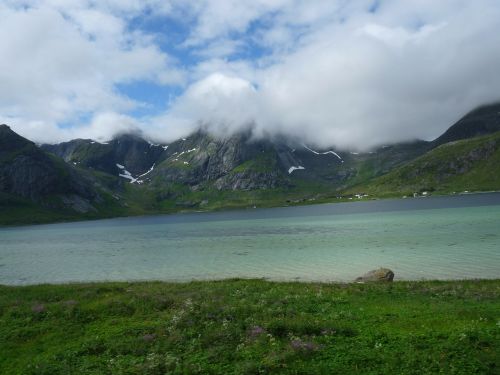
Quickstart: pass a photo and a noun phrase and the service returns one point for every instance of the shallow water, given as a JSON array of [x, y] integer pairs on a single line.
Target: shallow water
[[426, 238]]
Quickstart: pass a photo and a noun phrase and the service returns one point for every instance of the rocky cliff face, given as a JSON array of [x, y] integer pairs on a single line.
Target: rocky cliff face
[[134, 153], [233, 163], [238, 162], [28, 172]]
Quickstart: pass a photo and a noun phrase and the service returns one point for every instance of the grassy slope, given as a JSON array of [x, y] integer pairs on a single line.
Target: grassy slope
[[251, 326], [452, 167]]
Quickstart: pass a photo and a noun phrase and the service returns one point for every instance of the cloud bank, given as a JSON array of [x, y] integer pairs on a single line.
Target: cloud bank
[[349, 74]]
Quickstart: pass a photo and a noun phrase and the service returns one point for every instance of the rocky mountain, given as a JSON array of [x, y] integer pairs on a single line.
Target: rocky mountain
[[28, 172], [481, 121], [130, 175], [38, 186], [127, 149], [202, 161]]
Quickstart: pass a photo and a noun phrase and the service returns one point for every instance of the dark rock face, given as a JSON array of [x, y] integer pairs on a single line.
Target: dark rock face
[[458, 165], [250, 181], [235, 163], [131, 151], [481, 121], [378, 275], [29, 176], [28, 172]]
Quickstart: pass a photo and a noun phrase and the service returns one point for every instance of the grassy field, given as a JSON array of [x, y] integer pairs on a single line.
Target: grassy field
[[251, 327]]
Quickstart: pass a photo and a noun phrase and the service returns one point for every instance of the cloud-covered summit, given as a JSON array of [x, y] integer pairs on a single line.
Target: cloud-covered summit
[[352, 74]]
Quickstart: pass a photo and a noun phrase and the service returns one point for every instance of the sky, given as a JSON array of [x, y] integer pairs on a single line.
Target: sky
[[350, 74]]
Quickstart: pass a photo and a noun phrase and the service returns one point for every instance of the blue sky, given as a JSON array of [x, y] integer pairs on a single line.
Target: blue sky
[[348, 74]]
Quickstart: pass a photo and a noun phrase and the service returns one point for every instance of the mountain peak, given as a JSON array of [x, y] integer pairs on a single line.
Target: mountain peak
[[481, 121], [10, 140]]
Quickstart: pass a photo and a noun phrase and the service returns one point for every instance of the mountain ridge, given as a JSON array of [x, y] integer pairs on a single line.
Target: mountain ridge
[[129, 175]]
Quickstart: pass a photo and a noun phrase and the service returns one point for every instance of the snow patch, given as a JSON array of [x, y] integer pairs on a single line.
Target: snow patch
[[164, 147], [324, 153], [291, 169], [126, 174], [149, 171]]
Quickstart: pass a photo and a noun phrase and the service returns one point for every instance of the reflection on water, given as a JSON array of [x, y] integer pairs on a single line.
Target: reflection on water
[[438, 238]]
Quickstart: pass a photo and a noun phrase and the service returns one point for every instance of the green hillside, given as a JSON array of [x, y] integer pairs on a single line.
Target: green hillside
[[465, 165]]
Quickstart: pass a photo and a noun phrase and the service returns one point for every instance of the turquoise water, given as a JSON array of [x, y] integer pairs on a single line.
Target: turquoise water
[[432, 238]]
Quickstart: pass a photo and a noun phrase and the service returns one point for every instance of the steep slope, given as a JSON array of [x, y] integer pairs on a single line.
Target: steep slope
[[465, 165], [135, 154], [36, 186], [202, 161], [235, 163], [481, 121], [27, 171], [204, 171]]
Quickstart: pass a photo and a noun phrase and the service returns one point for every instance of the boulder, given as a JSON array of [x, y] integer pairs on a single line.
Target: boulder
[[381, 274]]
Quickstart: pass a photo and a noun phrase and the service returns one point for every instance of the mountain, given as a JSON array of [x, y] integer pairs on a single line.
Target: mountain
[[465, 165], [28, 172], [130, 175], [481, 121], [129, 149], [464, 158], [38, 186], [233, 163]]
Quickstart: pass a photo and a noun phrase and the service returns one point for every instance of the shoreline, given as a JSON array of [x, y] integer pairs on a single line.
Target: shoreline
[[183, 213], [242, 279]]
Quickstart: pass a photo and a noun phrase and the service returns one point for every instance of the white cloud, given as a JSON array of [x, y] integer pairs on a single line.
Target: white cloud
[[102, 127], [62, 62], [221, 104], [368, 80], [353, 74]]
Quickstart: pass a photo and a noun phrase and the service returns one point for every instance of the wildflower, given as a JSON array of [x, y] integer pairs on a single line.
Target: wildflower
[[256, 331], [305, 346]]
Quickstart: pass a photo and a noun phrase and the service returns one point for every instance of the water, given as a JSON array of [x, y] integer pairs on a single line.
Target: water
[[428, 238]]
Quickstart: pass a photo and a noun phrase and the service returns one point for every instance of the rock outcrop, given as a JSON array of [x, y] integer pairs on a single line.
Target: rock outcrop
[[378, 275]]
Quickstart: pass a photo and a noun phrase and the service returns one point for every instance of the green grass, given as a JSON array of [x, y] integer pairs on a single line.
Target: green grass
[[251, 327], [264, 162], [471, 165]]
